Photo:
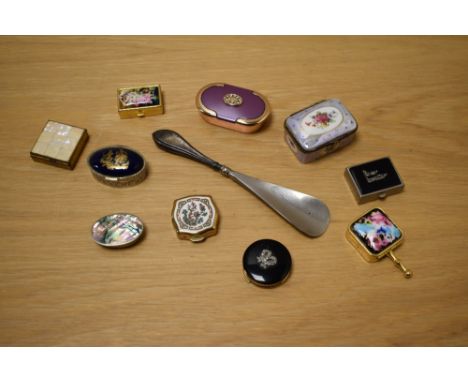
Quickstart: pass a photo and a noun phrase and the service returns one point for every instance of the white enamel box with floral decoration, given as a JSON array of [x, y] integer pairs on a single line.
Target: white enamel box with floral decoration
[[319, 129]]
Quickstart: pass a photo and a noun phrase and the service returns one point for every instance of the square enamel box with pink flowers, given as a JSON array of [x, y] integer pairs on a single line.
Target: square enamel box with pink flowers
[[140, 101], [319, 129]]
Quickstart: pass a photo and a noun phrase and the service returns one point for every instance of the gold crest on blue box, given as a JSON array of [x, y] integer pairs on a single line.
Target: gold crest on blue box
[[117, 166]]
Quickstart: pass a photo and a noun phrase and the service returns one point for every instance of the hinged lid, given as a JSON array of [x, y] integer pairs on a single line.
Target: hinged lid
[[140, 101], [59, 144], [195, 217], [267, 263], [321, 124], [374, 180], [117, 166], [232, 107]]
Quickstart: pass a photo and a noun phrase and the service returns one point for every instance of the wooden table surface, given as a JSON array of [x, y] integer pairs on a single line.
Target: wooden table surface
[[57, 287]]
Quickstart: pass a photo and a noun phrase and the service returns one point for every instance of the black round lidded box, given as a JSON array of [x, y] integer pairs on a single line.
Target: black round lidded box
[[267, 263]]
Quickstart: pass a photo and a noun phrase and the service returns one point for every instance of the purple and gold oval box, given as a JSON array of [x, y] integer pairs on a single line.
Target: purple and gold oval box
[[232, 107]]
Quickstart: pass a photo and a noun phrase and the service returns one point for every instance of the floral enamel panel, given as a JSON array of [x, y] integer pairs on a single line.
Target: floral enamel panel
[[195, 217], [376, 231]]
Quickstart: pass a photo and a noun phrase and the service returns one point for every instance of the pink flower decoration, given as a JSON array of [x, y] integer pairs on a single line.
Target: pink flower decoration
[[379, 218], [322, 118]]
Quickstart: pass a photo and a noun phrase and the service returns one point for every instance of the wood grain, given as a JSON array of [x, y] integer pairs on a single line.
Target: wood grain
[[57, 287]]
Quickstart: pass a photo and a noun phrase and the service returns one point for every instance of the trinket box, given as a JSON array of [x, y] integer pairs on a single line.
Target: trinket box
[[373, 180], [195, 218], [267, 263], [59, 145], [375, 236], [140, 101], [319, 129], [117, 230], [117, 166], [232, 107]]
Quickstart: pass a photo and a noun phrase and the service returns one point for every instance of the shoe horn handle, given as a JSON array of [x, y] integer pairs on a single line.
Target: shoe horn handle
[[174, 143]]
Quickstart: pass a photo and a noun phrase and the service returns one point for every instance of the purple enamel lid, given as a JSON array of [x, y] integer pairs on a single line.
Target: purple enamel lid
[[252, 105]]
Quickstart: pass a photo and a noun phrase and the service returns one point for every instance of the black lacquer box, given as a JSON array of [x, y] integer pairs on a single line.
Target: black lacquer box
[[374, 180], [267, 263]]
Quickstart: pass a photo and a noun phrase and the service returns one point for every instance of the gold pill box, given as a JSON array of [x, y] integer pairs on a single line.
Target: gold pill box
[[195, 217], [59, 145], [375, 236], [140, 101], [232, 107]]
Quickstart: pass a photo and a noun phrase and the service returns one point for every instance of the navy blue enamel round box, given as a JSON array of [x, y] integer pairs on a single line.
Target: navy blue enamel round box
[[117, 166]]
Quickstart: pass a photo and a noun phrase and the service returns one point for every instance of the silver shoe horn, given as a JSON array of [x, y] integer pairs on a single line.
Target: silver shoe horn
[[308, 214]]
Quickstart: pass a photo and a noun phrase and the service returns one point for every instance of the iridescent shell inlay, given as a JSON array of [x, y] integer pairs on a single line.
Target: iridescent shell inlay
[[117, 230], [59, 143]]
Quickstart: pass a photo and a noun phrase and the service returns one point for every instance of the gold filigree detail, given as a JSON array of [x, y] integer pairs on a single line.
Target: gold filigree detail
[[233, 99]]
